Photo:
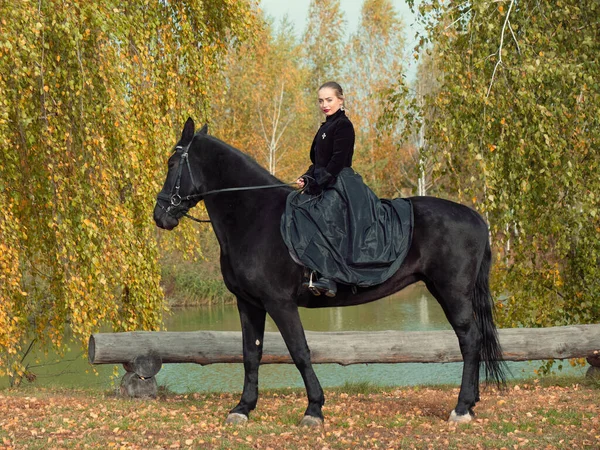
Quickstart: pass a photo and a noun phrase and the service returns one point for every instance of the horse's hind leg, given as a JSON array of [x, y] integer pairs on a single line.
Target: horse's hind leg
[[457, 304], [287, 319], [253, 331]]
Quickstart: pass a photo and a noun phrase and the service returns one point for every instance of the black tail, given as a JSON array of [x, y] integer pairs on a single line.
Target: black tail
[[491, 353]]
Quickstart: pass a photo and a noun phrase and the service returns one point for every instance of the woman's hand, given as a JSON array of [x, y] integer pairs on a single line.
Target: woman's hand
[[300, 182]]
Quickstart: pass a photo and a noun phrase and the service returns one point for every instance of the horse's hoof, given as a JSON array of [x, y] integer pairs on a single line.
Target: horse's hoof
[[465, 418], [311, 421], [236, 419]]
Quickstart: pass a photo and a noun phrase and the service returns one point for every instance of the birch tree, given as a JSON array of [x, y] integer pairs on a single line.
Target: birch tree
[[324, 47], [273, 128], [375, 60], [265, 109], [406, 109], [518, 131], [92, 96]]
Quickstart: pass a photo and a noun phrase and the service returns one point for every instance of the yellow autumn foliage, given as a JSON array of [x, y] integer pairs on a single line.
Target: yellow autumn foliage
[[91, 95]]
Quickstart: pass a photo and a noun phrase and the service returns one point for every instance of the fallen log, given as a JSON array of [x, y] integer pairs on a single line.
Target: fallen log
[[210, 347]]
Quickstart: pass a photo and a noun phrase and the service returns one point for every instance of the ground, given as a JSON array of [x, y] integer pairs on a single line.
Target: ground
[[530, 415]]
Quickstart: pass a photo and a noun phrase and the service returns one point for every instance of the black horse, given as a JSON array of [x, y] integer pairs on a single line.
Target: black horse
[[450, 253]]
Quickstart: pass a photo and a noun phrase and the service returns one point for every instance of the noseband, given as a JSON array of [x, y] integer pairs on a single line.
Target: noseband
[[175, 200], [175, 197]]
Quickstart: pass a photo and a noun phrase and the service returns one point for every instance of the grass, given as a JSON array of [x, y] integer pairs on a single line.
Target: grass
[[193, 283], [362, 387], [554, 413]]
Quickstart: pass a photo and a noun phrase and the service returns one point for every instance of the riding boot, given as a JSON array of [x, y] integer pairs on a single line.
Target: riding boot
[[323, 286]]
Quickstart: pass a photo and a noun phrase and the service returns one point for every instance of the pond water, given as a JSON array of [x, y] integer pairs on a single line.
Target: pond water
[[413, 309]]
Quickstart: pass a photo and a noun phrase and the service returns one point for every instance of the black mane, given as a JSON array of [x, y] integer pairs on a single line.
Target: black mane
[[250, 170]]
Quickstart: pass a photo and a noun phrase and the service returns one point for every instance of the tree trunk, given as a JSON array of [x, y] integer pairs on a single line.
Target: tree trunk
[[209, 347]]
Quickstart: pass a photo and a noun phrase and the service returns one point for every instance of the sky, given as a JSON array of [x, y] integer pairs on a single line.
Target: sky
[[297, 12]]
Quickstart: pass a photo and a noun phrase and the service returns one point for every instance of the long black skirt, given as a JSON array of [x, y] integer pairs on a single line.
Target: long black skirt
[[347, 233]]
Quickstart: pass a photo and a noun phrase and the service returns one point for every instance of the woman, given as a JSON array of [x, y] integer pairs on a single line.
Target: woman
[[336, 226], [333, 145], [331, 151]]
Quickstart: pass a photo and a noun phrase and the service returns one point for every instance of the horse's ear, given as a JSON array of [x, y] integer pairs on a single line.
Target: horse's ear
[[204, 129], [188, 132]]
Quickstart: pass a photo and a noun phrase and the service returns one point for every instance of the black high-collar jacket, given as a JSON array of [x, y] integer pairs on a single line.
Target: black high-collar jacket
[[330, 152]]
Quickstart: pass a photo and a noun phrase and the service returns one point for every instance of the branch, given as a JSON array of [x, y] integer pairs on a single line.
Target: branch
[[514, 38], [459, 17], [28, 350], [283, 151], [62, 361], [554, 291], [43, 92], [279, 107], [262, 125], [500, 48], [283, 130]]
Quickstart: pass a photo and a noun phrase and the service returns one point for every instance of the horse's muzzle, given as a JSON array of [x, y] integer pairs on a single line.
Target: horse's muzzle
[[164, 220]]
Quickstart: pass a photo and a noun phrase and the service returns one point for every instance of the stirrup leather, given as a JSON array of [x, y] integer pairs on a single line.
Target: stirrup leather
[[311, 287]]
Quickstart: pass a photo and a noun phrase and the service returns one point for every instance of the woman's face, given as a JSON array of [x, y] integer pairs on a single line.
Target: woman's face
[[329, 102]]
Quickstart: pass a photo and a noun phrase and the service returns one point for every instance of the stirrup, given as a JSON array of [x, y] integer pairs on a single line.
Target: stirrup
[[312, 288]]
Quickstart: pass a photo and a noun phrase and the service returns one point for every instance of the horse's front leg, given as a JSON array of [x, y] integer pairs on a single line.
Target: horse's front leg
[[287, 319], [253, 331]]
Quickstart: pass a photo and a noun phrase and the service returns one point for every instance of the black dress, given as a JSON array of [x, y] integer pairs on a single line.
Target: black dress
[[337, 226]]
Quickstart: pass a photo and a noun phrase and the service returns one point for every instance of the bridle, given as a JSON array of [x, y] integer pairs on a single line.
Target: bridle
[[175, 200], [175, 209]]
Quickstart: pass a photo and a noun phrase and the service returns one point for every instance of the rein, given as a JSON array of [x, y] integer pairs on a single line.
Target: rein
[[243, 188], [218, 191], [175, 199]]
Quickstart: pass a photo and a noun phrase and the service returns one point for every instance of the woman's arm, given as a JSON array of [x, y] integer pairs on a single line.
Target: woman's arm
[[343, 148], [310, 173]]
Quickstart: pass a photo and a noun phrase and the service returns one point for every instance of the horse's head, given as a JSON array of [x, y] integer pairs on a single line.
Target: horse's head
[[180, 191]]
